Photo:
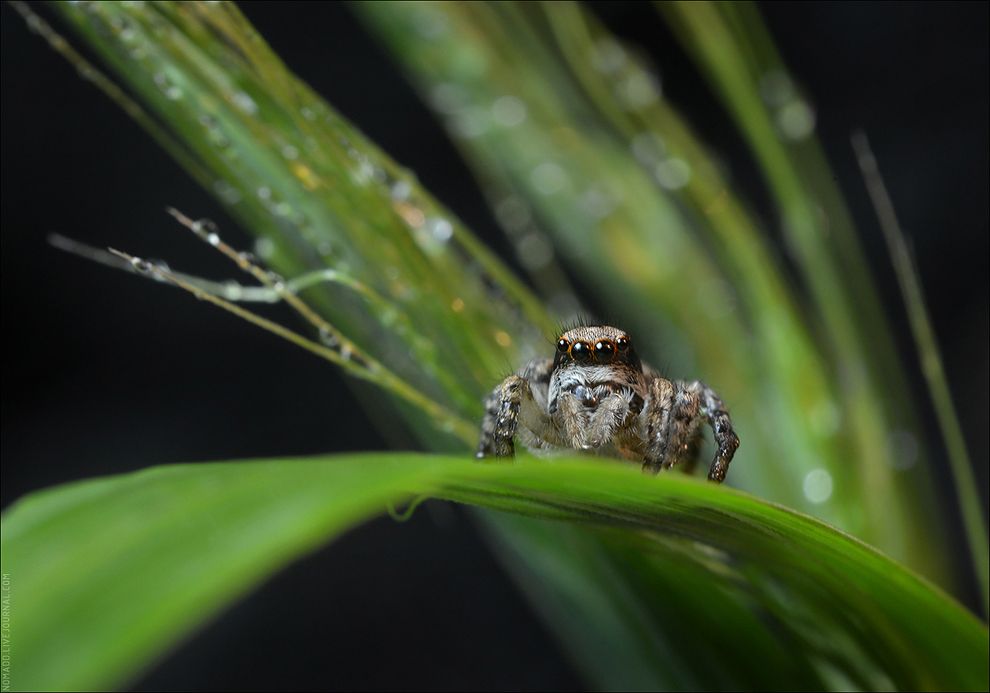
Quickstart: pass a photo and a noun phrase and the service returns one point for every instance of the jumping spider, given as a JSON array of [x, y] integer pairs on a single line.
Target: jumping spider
[[596, 394]]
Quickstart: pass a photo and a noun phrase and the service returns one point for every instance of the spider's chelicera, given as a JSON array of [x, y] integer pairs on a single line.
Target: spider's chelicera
[[595, 394]]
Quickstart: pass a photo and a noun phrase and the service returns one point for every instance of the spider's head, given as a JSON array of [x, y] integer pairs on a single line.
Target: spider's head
[[598, 345]]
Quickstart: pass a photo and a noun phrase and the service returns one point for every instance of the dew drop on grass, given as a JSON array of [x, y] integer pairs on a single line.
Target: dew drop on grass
[[227, 192], [440, 229], [264, 248], [244, 102], [638, 90], [508, 111], [796, 120], [513, 213], [534, 251], [596, 203], [471, 122], [167, 86], [817, 486], [904, 449], [328, 338], [448, 97], [673, 173], [608, 56], [429, 23], [233, 290], [548, 178], [648, 148]]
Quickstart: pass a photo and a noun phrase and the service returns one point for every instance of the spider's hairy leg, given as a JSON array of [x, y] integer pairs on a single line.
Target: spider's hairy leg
[[713, 410], [519, 399], [571, 418], [607, 419], [665, 425]]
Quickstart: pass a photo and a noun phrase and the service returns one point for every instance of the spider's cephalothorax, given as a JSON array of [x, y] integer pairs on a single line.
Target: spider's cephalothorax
[[596, 394]]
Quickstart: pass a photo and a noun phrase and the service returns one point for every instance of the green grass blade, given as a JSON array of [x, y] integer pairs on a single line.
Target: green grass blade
[[107, 574], [931, 365]]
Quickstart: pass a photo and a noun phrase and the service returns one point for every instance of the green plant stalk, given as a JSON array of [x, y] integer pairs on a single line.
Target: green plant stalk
[[931, 366]]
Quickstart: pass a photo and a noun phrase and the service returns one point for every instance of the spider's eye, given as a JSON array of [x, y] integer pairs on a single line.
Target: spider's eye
[[604, 349], [580, 351], [622, 343], [562, 345]]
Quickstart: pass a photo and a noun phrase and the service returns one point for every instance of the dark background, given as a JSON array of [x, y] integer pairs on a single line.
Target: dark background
[[105, 373]]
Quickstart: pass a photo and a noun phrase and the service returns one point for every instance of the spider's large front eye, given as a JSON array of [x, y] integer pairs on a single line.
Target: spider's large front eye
[[562, 345], [580, 351], [604, 349]]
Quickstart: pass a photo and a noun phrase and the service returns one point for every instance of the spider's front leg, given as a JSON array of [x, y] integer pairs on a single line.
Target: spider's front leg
[[520, 398], [676, 411]]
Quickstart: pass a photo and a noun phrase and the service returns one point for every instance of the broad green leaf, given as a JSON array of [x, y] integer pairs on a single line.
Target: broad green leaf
[[110, 572]]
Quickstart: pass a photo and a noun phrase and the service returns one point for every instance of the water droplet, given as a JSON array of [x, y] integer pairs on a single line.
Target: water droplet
[[776, 88], [904, 449], [796, 120], [818, 486], [673, 173], [429, 23], [227, 192], [508, 111], [457, 305], [638, 90], [410, 214], [608, 56], [503, 339], [448, 97], [364, 172], [142, 266], [167, 87], [596, 203], [513, 213], [470, 122], [283, 209], [328, 338], [400, 190], [290, 152], [264, 193], [244, 102], [534, 251], [648, 148], [440, 229], [232, 290], [548, 178], [264, 248]]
